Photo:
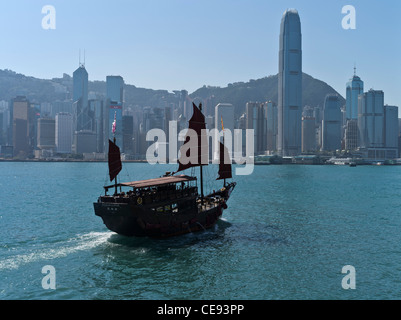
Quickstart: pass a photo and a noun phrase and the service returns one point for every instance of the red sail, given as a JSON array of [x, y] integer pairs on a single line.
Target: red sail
[[225, 164], [196, 143], [115, 165]]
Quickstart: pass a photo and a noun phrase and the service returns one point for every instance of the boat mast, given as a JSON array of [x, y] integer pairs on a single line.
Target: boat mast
[[201, 169], [114, 126], [115, 180], [222, 127]]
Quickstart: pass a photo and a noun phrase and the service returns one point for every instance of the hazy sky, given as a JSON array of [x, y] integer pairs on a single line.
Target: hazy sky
[[185, 44]]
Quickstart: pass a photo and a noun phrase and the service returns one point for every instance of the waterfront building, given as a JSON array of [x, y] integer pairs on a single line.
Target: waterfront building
[[96, 107], [351, 135], [63, 132], [353, 89], [46, 134], [256, 119], [80, 99], [391, 130], [2, 131], [271, 126], [115, 88], [331, 123], [114, 105], [225, 111], [308, 134], [377, 126], [85, 142], [371, 119], [20, 126], [128, 134], [290, 85]]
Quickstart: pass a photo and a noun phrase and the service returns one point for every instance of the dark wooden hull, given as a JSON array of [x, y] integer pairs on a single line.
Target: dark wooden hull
[[133, 219]]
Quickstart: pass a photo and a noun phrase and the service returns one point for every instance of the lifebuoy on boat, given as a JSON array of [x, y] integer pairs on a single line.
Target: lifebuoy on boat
[[139, 200]]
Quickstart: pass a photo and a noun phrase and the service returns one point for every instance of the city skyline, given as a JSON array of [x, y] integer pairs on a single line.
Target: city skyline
[[151, 49], [335, 128]]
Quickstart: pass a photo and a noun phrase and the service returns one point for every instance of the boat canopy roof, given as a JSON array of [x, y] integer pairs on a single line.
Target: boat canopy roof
[[154, 182]]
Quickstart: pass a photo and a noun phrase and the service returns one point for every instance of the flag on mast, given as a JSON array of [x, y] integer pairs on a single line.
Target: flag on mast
[[114, 122]]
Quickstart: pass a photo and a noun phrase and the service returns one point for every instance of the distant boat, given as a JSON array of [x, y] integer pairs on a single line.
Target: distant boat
[[169, 205], [352, 164]]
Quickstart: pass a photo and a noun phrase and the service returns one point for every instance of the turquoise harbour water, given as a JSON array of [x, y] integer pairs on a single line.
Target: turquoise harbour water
[[287, 233]]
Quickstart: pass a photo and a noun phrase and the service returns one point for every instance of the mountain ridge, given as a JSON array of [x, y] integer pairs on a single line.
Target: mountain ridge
[[37, 90], [264, 89]]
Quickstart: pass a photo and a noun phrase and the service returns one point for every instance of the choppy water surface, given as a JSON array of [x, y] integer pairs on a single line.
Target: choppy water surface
[[287, 234]]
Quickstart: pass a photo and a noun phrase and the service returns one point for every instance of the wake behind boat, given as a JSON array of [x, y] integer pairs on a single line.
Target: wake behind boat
[[169, 205]]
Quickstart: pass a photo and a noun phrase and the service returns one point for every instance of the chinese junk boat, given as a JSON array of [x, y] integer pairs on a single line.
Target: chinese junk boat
[[170, 205]]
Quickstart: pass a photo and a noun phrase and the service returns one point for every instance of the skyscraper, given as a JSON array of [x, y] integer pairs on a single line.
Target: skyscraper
[[290, 85], [377, 126], [331, 123], [115, 101], [308, 134], [96, 107], [256, 120], [271, 126], [128, 134], [46, 133], [80, 98], [371, 119], [353, 89], [391, 126], [351, 135], [115, 88], [63, 132], [224, 111], [20, 125]]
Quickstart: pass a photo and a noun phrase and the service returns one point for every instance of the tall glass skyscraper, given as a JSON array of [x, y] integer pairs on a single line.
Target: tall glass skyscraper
[[331, 123], [80, 97], [289, 138], [115, 101], [115, 88], [271, 126], [224, 111], [353, 89], [391, 126], [371, 119]]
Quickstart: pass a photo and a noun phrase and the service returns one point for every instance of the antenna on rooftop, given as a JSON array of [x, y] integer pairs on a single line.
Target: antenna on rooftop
[[82, 65]]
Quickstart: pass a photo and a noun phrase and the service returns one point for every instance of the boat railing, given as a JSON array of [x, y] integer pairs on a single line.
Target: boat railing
[[151, 196]]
